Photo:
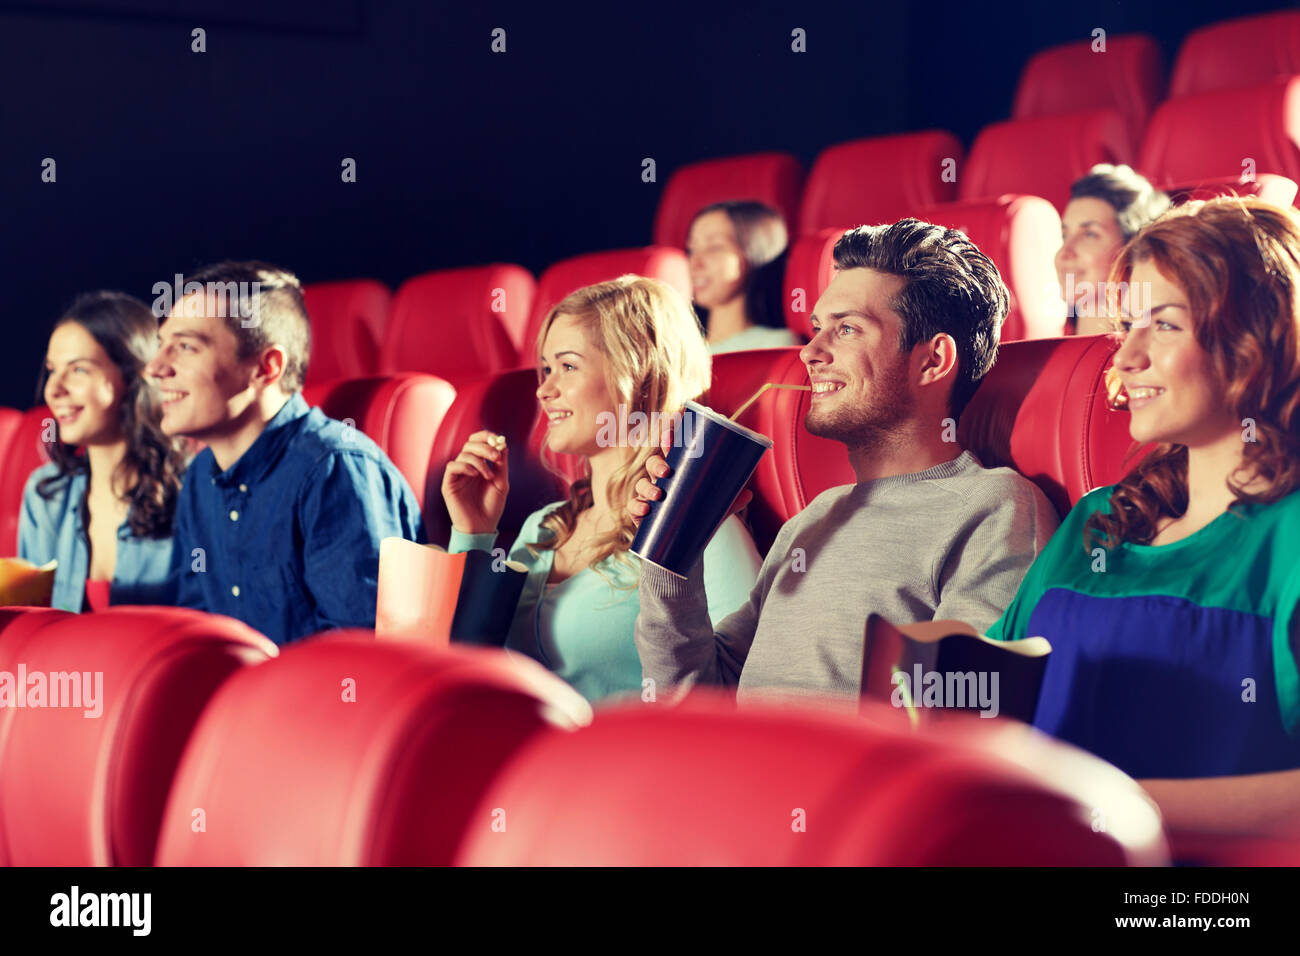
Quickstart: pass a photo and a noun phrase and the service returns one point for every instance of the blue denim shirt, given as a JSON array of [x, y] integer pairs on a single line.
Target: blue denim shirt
[[287, 538], [51, 528]]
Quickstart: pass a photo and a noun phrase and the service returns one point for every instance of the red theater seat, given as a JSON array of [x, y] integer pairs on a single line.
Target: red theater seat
[[458, 323], [773, 178], [399, 413], [1269, 187], [1240, 52], [1043, 156], [347, 751], [10, 419], [347, 325], [505, 404], [78, 791], [808, 271], [702, 784], [657, 262], [1042, 410], [879, 180], [25, 453], [1021, 235], [1128, 76], [1225, 133]]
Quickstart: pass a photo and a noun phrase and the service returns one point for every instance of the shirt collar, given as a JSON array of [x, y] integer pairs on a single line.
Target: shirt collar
[[263, 455]]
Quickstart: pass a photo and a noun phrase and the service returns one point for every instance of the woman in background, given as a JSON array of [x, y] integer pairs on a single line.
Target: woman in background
[[102, 507], [1107, 208], [737, 257], [605, 354]]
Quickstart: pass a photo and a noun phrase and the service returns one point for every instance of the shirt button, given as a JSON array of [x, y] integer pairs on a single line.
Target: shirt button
[[244, 488], [234, 516], [214, 481], [235, 590]]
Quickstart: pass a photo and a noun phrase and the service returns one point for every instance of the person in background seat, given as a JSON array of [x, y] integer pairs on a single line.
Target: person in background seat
[[737, 253], [606, 354], [103, 506]]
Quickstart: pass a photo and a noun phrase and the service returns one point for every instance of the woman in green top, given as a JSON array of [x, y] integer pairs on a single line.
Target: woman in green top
[[612, 359], [1170, 598]]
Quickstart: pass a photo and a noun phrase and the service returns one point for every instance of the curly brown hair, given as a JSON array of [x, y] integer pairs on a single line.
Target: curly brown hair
[[154, 464], [1238, 262]]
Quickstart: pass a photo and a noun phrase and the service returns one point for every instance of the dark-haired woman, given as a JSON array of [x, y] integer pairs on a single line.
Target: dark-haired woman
[[1107, 207], [103, 505], [737, 255], [1171, 598]]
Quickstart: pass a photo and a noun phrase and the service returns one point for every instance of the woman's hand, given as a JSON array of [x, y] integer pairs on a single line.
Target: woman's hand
[[476, 483]]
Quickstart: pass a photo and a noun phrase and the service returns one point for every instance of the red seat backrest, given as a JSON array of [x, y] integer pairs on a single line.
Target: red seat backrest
[[27, 450], [702, 784], [507, 405], [457, 323], [657, 262], [346, 751], [808, 271], [1269, 187], [1043, 156], [1225, 133], [347, 325], [879, 180], [772, 178], [399, 413], [1127, 76], [1042, 410], [1021, 235], [90, 792], [1241, 52]]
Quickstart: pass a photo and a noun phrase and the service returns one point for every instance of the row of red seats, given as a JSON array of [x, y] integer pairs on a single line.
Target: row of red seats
[[1041, 410], [211, 749], [1130, 76], [463, 323], [1233, 115]]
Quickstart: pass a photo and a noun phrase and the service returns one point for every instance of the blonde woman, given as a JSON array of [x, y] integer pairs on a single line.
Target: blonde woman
[[605, 353]]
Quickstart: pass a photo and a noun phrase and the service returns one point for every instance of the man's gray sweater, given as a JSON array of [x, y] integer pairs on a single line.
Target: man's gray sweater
[[951, 542]]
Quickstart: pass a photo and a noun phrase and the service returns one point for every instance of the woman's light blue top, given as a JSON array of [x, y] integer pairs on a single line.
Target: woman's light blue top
[[51, 528], [755, 337], [581, 628]]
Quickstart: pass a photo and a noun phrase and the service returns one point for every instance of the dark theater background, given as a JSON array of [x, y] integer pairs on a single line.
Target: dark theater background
[[167, 158]]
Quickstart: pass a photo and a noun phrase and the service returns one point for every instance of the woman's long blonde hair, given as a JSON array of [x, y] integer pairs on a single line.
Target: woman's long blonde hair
[[656, 360]]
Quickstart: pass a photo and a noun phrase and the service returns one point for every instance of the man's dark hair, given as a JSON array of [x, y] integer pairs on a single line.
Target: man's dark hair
[[1135, 201], [949, 286], [278, 313]]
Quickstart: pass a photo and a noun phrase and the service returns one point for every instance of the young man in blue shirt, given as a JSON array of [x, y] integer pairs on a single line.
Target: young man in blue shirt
[[280, 517]]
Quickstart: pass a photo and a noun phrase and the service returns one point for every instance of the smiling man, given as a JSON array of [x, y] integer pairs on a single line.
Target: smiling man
[[903, 335], [280, 517]]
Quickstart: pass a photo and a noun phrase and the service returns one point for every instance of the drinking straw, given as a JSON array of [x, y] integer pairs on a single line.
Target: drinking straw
[[753, 398]]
